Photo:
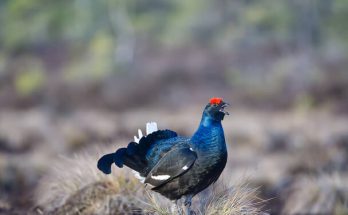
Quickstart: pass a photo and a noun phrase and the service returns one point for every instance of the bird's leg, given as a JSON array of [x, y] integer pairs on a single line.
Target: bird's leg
[[187, 203], [176, 207]]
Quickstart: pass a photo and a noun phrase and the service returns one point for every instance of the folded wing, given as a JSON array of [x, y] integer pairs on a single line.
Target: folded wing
[[174, 163]]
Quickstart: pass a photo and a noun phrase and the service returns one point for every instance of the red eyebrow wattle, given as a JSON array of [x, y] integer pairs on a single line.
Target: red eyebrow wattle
[[215, 100]]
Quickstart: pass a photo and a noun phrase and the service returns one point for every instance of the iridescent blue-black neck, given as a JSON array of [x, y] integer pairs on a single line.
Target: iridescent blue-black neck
[[209, 136]]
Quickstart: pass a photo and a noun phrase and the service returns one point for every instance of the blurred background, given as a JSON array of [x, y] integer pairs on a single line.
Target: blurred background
[[79, 74]]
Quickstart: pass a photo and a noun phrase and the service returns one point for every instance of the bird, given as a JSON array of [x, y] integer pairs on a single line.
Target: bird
[[175, 166]]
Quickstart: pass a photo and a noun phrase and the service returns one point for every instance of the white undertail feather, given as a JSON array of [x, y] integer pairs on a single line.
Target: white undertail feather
[[140, 134], [150, 127], [138, 176]]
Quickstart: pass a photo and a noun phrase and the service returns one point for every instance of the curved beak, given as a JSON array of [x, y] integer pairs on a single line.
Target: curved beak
[[224, 105]]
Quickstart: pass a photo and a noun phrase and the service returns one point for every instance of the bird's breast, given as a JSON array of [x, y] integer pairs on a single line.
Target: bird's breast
[[211, 153]]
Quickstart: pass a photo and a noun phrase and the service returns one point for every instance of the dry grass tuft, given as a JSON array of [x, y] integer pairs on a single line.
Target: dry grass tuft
[[238, 199], [216, 200], [158, 205], [75, 186]]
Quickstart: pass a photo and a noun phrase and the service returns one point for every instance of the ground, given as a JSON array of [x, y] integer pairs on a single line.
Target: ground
[[296, 159]]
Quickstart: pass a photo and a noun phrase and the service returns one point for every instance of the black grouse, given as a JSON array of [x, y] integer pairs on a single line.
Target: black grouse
[[177, 166]]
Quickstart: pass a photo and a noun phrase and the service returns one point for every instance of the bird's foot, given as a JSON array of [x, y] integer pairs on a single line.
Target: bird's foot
[[187, 203], [176, 209], [188, 200], [190, 212]]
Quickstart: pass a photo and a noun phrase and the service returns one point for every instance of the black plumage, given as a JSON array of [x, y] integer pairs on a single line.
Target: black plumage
[[177, 166]]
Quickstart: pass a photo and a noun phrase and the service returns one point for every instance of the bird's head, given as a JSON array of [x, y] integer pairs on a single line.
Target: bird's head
[[215, 109]]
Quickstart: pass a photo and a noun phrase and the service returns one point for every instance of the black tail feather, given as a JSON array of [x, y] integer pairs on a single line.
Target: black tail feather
[[105, 162], [134, 156], [119, 157]]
